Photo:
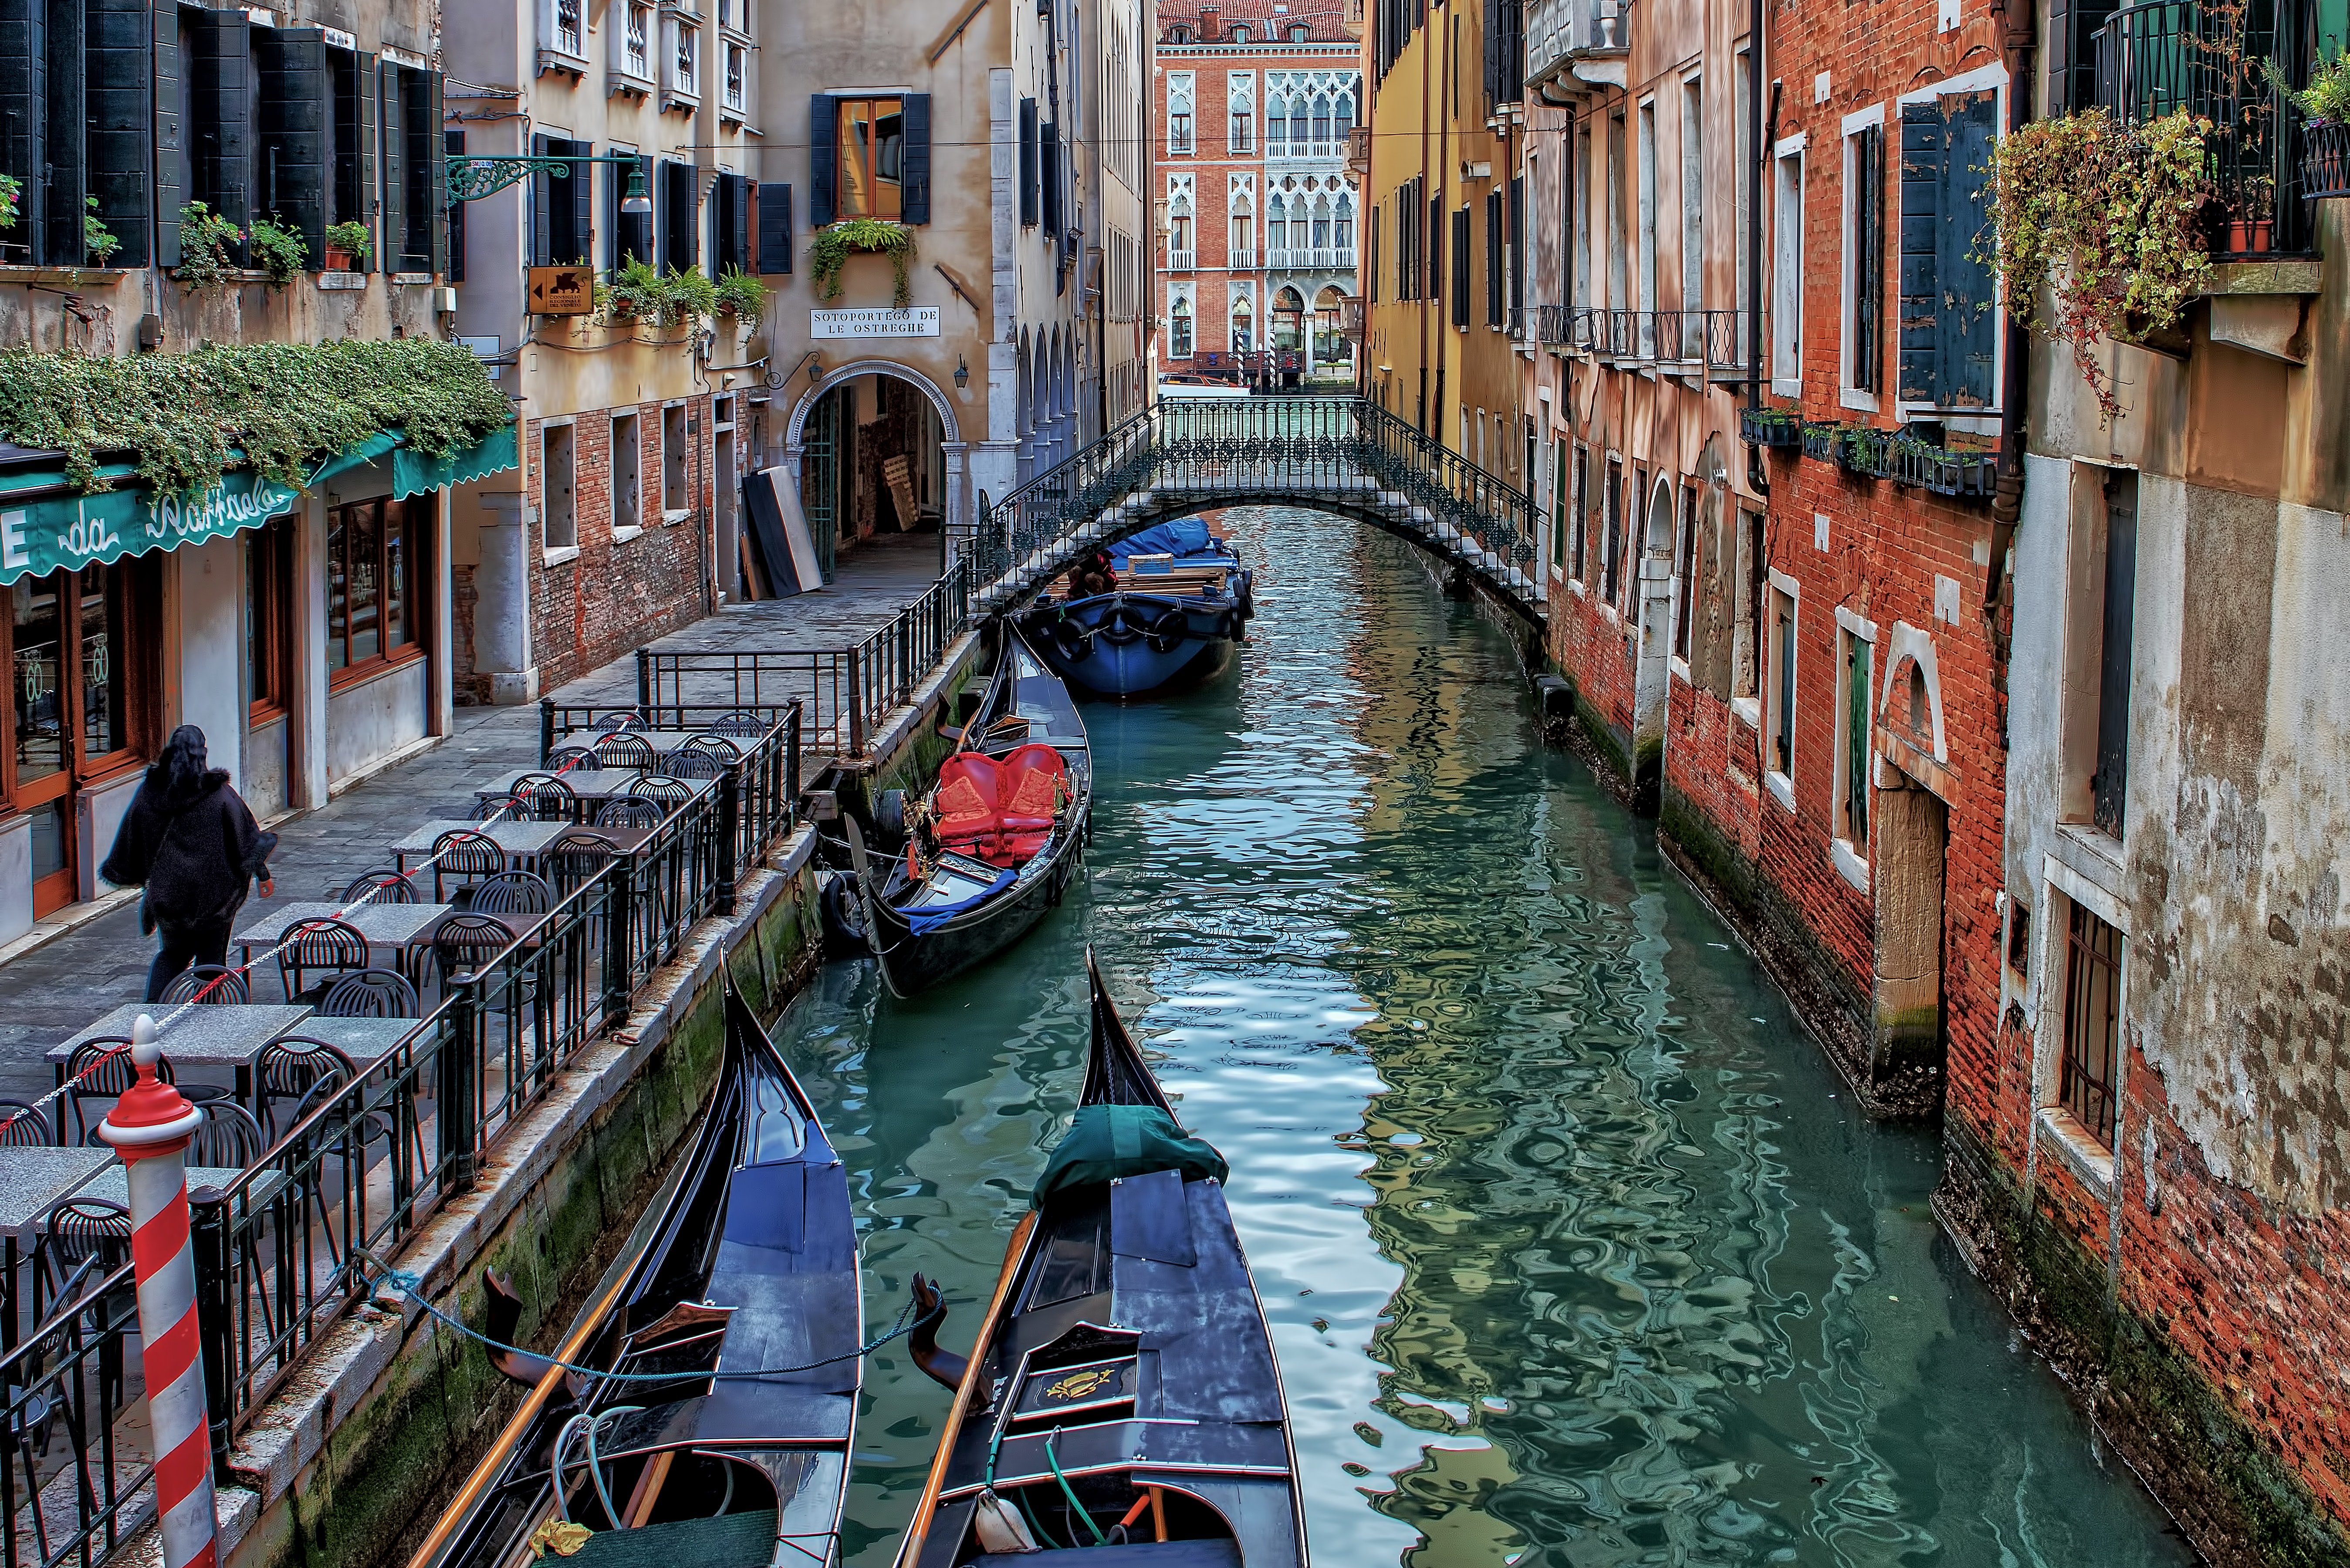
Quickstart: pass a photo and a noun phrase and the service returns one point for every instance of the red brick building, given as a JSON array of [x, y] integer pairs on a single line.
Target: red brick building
[[1250, 105]]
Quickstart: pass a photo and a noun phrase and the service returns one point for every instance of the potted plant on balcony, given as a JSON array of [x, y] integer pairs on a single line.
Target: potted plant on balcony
[[2325, 106], [830, 251], [205, 239], [97, 239], [280, 251], [346, 243], [12, 190], [2105, 221], [742, 297], [1820, 439], [1770, 427]]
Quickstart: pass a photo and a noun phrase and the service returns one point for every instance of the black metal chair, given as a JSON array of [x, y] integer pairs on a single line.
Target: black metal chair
[[743, 723], [626, 750], [382, 887], [669, 792], [101, 1069], [500, 808], [228, 1138], [547, 798], [689, 762], [370, 993], [24, 1126], [463, 857], [317, 947], [574, 857], [208, 986], [290, 1069], [630, 811], [79, 1232], [464, 942], [626, 719], [569, 756], [511, 893]]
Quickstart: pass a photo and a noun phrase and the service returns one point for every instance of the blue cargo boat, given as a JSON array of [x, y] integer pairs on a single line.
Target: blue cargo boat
[[1160, 609]]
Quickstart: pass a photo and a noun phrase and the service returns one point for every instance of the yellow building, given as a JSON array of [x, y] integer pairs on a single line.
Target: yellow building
[[1442, 272]]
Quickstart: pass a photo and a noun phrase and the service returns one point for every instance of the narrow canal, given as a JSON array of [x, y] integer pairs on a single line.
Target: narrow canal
[[1576, 1252]]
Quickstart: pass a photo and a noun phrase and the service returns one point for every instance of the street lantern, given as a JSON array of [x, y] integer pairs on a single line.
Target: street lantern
[[634, 202]]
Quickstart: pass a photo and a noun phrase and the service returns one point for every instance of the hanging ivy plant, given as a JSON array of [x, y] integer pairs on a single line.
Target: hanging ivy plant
[[2108, 219], [830, 251], [285, 405], [205, 239]]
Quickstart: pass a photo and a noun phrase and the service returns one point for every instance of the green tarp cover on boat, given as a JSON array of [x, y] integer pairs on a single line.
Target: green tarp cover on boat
[[1106, 1142], [47, 525]]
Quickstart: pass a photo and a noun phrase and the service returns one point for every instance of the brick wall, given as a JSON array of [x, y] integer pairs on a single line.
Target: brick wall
[[618, 594]]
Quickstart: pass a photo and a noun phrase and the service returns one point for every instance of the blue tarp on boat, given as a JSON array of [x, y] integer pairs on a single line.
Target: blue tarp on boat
[[1184, 536]]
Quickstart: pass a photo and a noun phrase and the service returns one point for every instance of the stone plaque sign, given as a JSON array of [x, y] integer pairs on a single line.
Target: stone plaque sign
[[919, 321]]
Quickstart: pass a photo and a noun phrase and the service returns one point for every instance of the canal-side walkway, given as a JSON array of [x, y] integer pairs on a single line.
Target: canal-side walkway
[[49, 992]]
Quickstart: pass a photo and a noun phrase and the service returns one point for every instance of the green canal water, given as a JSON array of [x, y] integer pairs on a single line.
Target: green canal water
[[1576, 1252]]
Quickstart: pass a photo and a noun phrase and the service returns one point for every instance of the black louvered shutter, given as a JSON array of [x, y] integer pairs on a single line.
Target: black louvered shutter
[[1924, 147], [351, 80], [454, 142], [1028, 176], [24, 142], [542, 203], [1049, 149], [392, 227], [679, 250], [1492, 259], [914, 165], [1434, 239], [435, 159], [63, 173], [824, 152], [170, 135], [1868, 256], [121, 144], [583, 205], [1969, 326], [774, 227], [220, 128], [1460, 260], [296, 110], [738, 221]]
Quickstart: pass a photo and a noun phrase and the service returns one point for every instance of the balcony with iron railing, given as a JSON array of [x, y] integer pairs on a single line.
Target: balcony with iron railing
[[1560, 33], [2167, 56], [1684, 340]]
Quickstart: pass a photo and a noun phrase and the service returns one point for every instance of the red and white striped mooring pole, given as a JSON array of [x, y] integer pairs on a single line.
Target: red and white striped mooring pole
[[148, 1128]]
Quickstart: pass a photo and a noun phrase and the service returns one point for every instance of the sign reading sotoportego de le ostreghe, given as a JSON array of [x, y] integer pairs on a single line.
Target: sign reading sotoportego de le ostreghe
[[878, 321]]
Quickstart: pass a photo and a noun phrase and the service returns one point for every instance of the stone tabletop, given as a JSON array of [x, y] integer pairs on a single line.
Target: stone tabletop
[[33, 1180], [661, 741], [113, 1185], [383, 924], [361, 1039], [201, 1036], [513, 837], [591, 783]]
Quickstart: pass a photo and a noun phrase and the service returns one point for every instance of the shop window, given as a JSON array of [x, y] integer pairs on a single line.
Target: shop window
[[677, 495], [1180, 332], [558, 487], [374, 559], [627, 475], [2090, 1075], [269, 619]]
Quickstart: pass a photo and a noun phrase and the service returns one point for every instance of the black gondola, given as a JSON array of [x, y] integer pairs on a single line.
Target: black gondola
[[748, 1267], [993, 845], [1122, 1406]]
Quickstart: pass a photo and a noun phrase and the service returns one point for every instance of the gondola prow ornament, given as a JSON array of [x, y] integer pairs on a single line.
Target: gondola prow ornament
[[149, 1126]]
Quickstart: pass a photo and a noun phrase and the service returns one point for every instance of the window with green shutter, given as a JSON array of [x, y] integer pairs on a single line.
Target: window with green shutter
[[1949, 326]]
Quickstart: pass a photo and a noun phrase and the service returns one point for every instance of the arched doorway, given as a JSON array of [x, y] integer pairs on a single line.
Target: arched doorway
[[1329, 347], [875, 451], [1288, 320]]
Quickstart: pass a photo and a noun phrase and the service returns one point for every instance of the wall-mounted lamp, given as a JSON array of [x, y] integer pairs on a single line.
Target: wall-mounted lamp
[[963, 373]]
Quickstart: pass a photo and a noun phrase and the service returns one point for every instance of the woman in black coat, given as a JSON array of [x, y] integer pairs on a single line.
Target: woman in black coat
[[192, 842]]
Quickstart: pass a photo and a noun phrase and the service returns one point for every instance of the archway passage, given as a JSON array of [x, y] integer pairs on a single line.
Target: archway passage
[[875, 457]]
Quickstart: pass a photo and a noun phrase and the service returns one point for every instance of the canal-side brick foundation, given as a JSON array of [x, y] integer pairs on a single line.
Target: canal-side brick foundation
[[2176, 1346], [351, 1461]]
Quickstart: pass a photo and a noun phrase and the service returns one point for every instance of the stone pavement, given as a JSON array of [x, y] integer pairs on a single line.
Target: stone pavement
[[55, 990]]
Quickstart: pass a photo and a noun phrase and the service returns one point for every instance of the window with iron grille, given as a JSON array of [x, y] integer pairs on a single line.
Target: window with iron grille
[[2088, 1080]]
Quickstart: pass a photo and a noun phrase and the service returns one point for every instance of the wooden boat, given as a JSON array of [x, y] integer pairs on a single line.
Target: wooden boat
[[993, 845], [748, 1271], [1122, 1405], [1158, 611]]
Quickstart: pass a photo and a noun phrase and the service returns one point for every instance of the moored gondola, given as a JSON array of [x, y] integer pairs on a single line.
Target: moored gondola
[[993, 845], [1156, 611], [1122, 1405], [713, 1431]]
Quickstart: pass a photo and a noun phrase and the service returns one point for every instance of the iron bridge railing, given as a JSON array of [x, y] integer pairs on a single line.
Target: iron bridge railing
[[1197, 448]]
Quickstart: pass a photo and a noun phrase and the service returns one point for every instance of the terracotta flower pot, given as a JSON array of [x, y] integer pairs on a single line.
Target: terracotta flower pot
[[2250, 236]]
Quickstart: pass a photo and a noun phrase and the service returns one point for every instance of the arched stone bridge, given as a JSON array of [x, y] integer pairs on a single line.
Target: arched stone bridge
[[1343, 455]]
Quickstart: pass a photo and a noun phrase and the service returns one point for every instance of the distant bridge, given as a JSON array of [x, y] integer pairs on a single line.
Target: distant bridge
[[1343, 455]]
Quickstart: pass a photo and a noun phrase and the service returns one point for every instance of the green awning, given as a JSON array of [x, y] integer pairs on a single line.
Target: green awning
[[47, 525]]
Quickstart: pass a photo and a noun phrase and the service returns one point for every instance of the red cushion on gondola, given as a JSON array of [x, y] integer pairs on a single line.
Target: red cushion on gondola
[[965, 808], [1033, 780]]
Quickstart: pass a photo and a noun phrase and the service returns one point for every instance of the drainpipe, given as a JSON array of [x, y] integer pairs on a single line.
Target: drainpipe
[[1761, 152]]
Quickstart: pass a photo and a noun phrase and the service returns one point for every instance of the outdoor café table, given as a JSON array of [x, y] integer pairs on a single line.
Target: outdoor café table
[[662, 742], [204, 1036], [399, 927], [365, 1040], [112, 1183], [522, 841], [588, 785], [31, 1181]]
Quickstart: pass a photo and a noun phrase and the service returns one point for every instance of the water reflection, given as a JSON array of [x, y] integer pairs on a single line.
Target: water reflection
[[1571, 1252]]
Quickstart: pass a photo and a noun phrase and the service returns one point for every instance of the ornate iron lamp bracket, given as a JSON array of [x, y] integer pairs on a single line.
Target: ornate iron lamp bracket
[[472, 177]]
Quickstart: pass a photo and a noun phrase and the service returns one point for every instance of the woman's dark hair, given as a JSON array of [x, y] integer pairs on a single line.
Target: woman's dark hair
[[179, 772]]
